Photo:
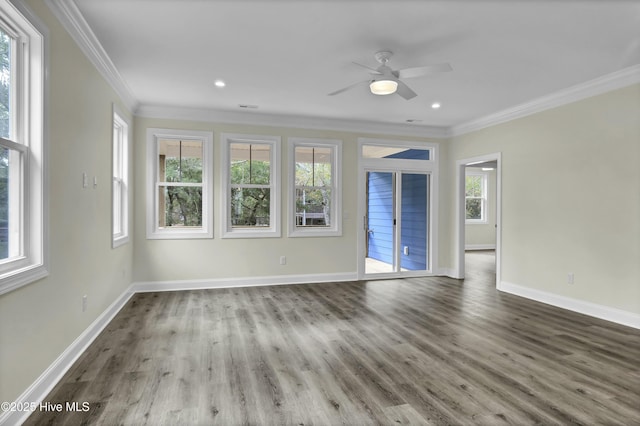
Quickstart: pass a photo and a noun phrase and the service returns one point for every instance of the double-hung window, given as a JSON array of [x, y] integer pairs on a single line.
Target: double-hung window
[[251, 176], [476, 197], [180, 180], [315, 196], [22, 147], [120, 191]]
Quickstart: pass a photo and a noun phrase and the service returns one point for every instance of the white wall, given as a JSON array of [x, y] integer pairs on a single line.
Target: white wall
[[570, 198], [40, 320], [217, 258]]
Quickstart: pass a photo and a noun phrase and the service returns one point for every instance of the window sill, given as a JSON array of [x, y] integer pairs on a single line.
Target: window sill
[[303, 233], [13, 280], [252, 233]]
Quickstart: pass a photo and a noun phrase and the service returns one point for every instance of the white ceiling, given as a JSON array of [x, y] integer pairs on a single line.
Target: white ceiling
[[285, 56]]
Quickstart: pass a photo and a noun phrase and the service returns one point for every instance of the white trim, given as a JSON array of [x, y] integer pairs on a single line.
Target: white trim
[[175, 233], [480, 247], [616, 80], [335, 230], [273, 230], [290, 121], [213, 283], [72, 20], [52, 375], [607, 313]]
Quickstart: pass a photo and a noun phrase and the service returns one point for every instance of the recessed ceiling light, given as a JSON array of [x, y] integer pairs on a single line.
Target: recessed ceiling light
[[220, 83], [435, 105]]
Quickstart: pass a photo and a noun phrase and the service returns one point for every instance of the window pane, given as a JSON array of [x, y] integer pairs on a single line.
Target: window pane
[[313, 207], [473, 186], [4, 203], [180, 206], [10, 203], [313, 166], [376, 151], [117, 206], [250, 207], [179, 161], [5, 85], [474, 208], [250, 164]]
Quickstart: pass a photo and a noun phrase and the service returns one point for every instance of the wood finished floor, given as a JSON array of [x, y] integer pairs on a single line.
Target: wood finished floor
[[409, 351]]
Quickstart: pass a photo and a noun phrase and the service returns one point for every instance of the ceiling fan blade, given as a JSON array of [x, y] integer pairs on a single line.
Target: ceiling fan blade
[[373, 70], [344, 89], [405, 91], [420, 71]]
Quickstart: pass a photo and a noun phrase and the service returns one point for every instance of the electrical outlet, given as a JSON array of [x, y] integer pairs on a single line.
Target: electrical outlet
[[283, 260], [84, 303], [570, 278], [85, 180], [406, 250]]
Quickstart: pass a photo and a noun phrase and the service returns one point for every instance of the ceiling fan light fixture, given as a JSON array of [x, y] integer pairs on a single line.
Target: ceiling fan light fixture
[[383, 87]]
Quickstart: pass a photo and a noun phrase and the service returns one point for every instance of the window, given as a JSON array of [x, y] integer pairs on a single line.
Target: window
[[120, 192], [475, 197], [251, 185], [180, 178], [22, 148], [315, 196]]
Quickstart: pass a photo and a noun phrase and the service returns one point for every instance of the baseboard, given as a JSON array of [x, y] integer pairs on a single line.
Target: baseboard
[[177, 285], [607, 313], [36, 393], [480, 247], [448, 272]]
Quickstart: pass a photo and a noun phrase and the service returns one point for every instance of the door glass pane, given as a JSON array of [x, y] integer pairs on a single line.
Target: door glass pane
[[380, 230], [413, 232]]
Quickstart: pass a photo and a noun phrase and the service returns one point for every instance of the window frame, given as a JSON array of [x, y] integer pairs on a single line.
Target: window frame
[[154, 232], [29, 138], [120, 172], [335, 229], [273, 230], [483, 197]]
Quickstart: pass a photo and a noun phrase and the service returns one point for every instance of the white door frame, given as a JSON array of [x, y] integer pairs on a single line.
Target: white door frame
[[461, 213]]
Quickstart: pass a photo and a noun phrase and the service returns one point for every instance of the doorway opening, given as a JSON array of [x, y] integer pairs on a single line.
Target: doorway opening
[[478, 225]]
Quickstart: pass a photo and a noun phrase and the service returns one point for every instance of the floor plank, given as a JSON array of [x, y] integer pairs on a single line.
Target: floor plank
[[404, 351]]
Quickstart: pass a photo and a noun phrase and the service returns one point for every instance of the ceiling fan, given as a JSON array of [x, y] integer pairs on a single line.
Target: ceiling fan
[[386, 81]]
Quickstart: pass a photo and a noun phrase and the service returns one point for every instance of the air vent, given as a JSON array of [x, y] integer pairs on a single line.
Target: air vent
[[413, 120], [248, 106]]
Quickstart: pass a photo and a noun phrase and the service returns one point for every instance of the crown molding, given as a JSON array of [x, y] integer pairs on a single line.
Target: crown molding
[[616, 80], [72, 20], [291, 121]]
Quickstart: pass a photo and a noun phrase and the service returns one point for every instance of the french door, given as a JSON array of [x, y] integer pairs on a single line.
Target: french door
[[396, 222]]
